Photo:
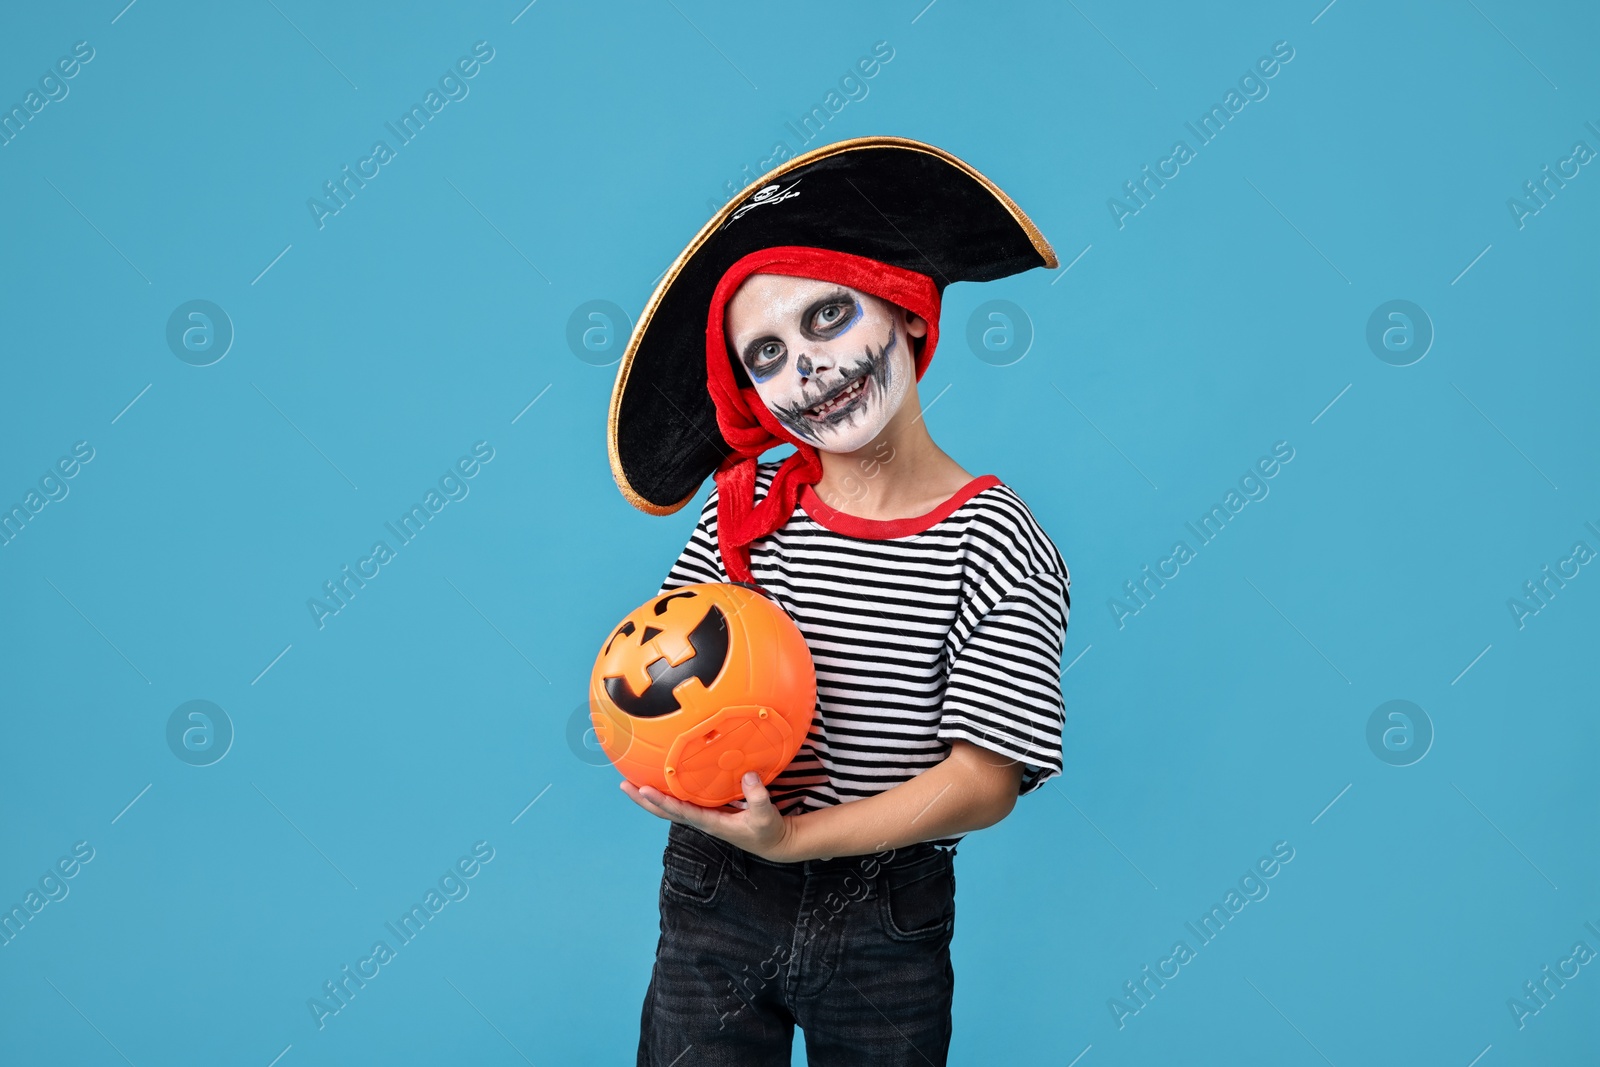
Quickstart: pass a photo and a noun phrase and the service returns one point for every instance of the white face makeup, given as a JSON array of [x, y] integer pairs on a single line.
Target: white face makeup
[[831, 363]]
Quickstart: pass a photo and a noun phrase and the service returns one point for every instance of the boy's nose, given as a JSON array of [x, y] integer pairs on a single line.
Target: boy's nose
[[809, 368]]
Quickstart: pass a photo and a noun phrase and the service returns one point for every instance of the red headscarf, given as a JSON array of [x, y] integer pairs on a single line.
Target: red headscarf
[[743, 418]]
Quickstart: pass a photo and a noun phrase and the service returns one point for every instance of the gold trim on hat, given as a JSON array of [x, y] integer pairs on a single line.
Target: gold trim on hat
[[632, 496]]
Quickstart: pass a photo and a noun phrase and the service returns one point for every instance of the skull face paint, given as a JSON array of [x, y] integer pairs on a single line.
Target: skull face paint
[[832, 364]]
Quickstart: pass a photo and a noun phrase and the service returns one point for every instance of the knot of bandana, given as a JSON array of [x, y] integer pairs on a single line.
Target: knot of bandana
[[743, 418]]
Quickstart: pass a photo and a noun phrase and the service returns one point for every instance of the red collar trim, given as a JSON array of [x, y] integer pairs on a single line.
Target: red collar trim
[[884, 529]]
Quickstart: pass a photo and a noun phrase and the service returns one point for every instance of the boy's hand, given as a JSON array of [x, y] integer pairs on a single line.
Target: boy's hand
[[758, 828]]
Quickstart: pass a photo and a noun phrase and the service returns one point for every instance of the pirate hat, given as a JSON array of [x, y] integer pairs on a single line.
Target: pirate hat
[[886, 208]]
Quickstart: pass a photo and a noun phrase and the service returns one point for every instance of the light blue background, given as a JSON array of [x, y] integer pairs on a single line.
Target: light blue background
[[428, 713]]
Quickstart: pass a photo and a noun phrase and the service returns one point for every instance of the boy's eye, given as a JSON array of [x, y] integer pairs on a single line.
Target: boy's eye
[[831, 315], [765, 355]]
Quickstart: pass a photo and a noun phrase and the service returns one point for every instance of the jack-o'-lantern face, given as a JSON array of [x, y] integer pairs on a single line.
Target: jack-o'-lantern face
[[676, 637], [699, 685]]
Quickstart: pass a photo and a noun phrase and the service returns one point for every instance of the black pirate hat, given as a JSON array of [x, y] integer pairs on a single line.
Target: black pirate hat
[[896, 201]]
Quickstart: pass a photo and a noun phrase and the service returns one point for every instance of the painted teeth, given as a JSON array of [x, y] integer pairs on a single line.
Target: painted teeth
[[840, 400]]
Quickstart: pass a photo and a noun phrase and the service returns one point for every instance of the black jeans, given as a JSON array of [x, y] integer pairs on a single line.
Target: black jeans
[[854, 950]]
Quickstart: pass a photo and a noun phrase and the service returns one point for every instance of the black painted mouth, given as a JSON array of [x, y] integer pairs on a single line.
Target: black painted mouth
[[864, 376], [874, 366]]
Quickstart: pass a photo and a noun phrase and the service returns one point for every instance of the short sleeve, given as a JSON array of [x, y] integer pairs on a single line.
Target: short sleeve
[[700, 561], [1004, 687]]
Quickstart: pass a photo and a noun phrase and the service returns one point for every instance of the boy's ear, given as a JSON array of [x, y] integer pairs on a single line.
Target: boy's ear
[[916, 325]]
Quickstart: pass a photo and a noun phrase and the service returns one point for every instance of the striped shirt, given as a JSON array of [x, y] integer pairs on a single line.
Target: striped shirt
[[923, 630]]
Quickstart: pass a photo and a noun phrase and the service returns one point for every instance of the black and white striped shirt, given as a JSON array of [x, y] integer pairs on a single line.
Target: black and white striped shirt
[[923, 630]]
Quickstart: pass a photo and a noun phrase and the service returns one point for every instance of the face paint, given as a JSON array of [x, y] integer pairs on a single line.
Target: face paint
[[832, 364]]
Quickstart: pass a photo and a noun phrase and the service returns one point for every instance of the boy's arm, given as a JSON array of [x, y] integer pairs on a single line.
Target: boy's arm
[[971, 789]]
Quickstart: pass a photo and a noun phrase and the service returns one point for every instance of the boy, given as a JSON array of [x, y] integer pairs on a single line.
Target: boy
[[932, 602]]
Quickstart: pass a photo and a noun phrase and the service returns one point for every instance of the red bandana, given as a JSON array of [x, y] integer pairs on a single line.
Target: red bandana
[[743, 418]]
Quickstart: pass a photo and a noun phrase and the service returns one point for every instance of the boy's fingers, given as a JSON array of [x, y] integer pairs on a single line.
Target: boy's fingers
[[754, 791], [639, 797], [658, 801], [675, 809]]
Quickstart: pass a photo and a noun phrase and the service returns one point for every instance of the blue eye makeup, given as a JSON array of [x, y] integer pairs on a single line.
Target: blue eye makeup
[[764, 358], [830, 317], [825, 319]]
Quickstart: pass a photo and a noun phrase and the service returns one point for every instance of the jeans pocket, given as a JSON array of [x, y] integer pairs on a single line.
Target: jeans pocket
[[918, 900], [690, 874]]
